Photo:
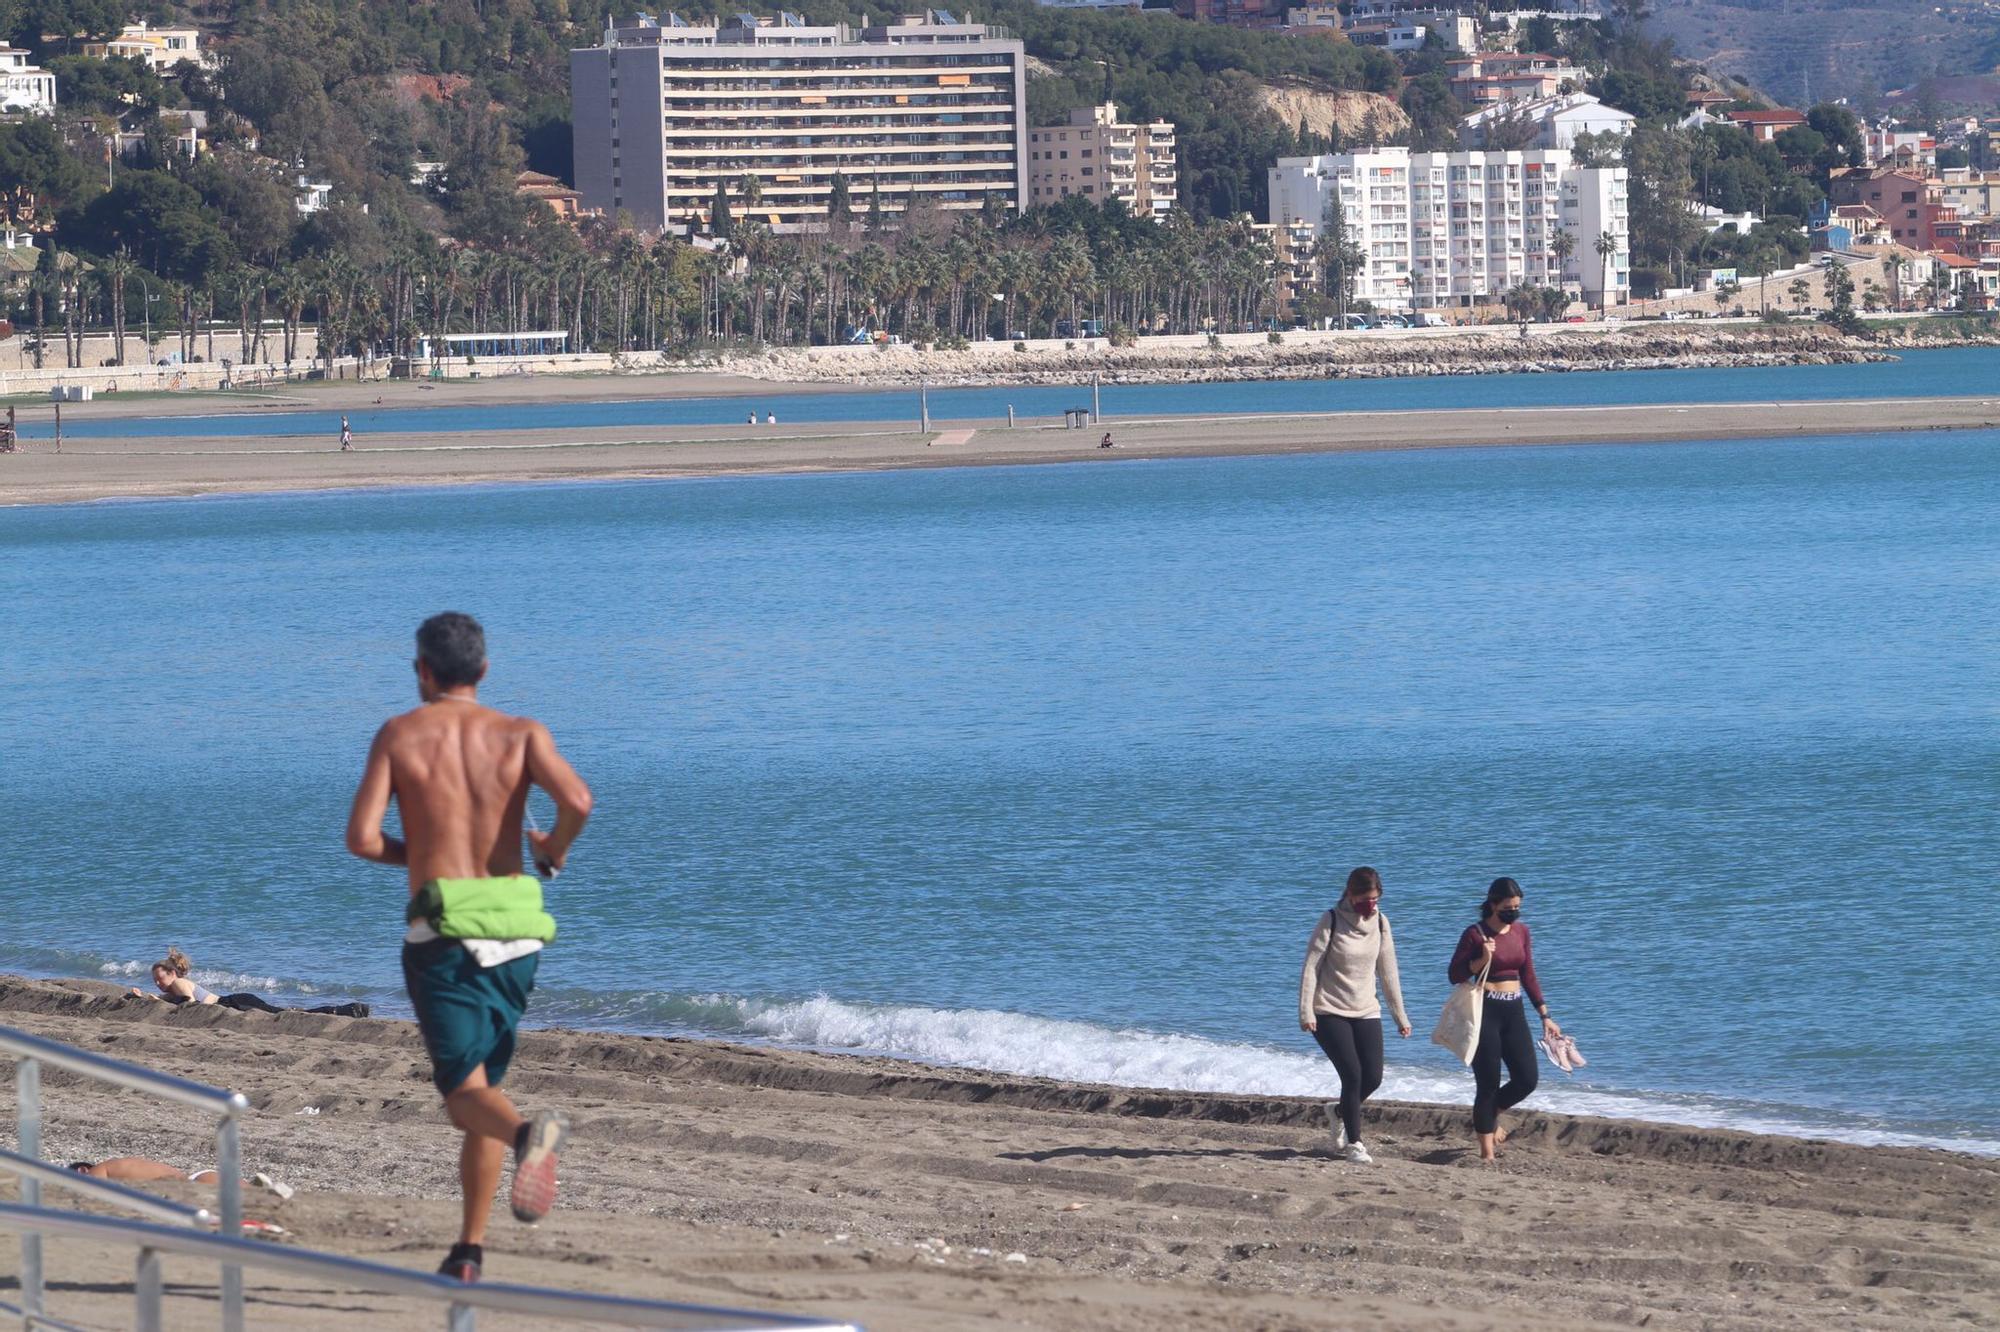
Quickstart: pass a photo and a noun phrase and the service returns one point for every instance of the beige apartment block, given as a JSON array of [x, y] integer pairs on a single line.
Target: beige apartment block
[[1100, 157], [928, 107]]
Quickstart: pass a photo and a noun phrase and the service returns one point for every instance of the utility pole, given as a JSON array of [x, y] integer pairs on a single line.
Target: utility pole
[[924, 407]]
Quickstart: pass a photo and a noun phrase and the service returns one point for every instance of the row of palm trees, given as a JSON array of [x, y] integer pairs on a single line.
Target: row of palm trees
[[609, 290]]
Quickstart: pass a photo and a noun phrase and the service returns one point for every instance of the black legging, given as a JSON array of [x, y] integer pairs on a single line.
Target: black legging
[[1355, 1047], [1503, 1036], [257, 1003]]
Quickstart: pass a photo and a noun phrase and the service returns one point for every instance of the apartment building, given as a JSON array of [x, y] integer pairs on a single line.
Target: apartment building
[[1886, 145], [927, 107], [25, 89], [1453, 230], [1295, 266], [1506, 76], [1912, 204], [1972, 192], [1101, 157], [1542, 122], [1400, 26]]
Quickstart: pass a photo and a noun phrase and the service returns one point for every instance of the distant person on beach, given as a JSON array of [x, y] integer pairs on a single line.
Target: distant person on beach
[[145, 1170], [1499, 946], [170, 978], [459, 773], [1351, 949], [346, 434], [752, 420], [770, 418], [1106, 443]]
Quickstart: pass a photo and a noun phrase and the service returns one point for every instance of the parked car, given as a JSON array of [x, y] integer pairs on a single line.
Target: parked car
[[1425, 319]]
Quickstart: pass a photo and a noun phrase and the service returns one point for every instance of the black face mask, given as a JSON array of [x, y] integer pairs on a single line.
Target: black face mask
[[1508, 915]]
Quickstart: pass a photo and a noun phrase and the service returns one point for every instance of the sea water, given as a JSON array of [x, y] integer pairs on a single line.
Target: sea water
[[1051, 769], [1942, 372]]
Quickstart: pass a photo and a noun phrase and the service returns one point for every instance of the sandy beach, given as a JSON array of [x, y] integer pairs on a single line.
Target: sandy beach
[[898, 1195], [194, 464]]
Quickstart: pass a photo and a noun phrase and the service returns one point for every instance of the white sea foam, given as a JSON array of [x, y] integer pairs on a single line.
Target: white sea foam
[[1084, 1052], [222, 982]]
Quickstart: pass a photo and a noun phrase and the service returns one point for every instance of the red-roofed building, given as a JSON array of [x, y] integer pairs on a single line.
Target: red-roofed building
[[1911, 204], [1764, 126], [567, 203]]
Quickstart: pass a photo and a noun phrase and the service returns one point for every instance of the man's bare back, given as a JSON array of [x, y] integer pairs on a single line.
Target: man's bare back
[[460, 772]]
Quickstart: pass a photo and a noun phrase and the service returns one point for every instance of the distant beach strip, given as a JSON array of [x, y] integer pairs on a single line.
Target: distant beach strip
[[194, 465]]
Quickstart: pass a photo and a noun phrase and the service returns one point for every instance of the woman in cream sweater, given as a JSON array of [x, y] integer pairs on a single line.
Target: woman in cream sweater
[[1351, 948]]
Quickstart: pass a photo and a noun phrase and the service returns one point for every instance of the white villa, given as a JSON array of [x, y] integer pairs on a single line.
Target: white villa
[[25, 89]]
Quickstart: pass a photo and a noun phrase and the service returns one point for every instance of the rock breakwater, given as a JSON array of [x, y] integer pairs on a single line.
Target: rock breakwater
[[1315, 356]]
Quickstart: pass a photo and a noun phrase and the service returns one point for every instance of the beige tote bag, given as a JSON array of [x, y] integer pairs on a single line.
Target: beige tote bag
[[1458, 1025]]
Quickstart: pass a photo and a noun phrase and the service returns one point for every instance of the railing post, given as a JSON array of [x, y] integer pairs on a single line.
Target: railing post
[[229, 1183], [460, 1318], [28, 1134], [146, 1286]]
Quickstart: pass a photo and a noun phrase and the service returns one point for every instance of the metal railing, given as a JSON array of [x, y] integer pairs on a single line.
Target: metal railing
[[186, 1229], [464, 1300], [32, 1052]]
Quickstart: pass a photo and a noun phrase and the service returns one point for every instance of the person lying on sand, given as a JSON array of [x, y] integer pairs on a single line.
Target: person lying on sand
[[145, 1170], [459, 773], [170, 978]]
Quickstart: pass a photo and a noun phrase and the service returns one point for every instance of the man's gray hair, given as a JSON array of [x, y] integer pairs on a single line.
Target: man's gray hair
[[454, 646]]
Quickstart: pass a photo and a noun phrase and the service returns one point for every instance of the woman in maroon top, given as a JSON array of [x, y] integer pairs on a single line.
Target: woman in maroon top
[[1499, 946]]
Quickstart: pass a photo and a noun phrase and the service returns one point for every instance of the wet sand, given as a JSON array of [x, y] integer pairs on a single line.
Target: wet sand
[[192, 464], [896, 1194]]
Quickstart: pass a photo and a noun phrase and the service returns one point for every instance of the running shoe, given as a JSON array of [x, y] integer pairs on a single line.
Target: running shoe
[[1339, 1126], [462, 1263], [534, 1191], [1358, 1154]]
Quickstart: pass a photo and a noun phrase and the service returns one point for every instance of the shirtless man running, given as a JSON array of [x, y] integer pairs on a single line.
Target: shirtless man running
[[459, 773]]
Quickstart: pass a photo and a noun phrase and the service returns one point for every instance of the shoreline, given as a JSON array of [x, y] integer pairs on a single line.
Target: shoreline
[[898, 1194], [778, 372], [190, 466], [1623, 1106]]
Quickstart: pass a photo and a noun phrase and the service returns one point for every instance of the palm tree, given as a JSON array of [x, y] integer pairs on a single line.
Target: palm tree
[[1606, 246], [69, 280], [1562, 245], [1893, 265], [294, 290], [116, 270]]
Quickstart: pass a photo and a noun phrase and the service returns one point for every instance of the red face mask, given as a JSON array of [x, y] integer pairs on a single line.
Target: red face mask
[[1365, 907]]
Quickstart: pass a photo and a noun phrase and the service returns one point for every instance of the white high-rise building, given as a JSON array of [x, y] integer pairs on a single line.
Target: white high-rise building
[[1443, 230], [927, 107]]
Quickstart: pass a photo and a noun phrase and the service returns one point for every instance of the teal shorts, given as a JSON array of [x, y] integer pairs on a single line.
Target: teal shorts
[[467, 1013]]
